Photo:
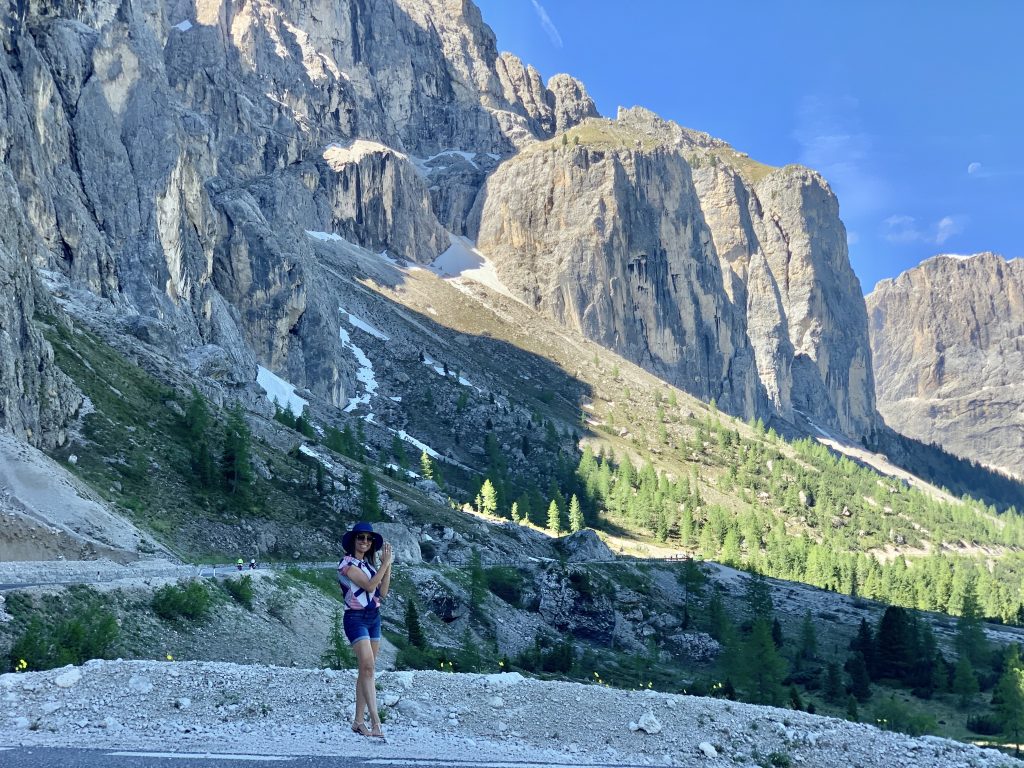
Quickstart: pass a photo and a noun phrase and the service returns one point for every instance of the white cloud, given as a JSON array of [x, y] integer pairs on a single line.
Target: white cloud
[[852, 238], [547, 24], [973, 168], [900, 228], [946, 228]]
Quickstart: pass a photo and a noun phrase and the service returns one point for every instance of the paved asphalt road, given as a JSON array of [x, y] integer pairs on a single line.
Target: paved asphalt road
[[50, 757]]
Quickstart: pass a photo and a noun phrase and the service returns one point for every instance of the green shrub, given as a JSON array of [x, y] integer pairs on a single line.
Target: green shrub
[[893, 715], [47, 644], [191, 602], [506, 583], [339, 653], [411, 657], [984, 724], [548, 655], [240, 590]]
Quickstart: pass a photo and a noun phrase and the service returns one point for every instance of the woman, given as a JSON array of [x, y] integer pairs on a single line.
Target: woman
[[365, 585]]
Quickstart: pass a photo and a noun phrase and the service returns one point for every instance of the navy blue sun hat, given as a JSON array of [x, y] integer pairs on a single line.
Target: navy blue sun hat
[[348, 541]]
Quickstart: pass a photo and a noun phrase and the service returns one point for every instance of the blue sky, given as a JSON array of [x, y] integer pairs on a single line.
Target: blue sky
[[912, 110]]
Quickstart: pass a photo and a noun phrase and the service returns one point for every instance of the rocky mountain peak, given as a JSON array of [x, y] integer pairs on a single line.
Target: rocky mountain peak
[[729, 278], [948, 342]]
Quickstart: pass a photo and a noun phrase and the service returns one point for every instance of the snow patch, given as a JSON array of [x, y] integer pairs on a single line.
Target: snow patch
[[183, 26], [403, 435], [306, 450], [339, 155], [364, 374], [364, 326], [423, 163], [280, 391], [408, 472], [439, 370], [462, 260], [324, 235]]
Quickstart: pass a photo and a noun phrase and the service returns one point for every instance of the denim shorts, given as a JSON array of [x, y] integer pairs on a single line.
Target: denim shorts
[[362, 625]]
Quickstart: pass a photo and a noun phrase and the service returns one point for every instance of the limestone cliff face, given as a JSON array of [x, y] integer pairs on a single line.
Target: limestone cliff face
[[948, 343], [36, 399], [170, 156], [611, 241], [179, 159], [729, 278]]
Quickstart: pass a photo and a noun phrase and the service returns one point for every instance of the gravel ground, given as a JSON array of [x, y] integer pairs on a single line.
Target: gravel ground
[[223, 707]]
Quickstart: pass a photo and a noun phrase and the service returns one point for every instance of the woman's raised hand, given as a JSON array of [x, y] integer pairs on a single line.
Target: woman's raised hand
[[388, 553]]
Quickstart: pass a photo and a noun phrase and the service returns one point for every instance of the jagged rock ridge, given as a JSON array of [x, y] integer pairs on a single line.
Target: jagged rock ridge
[[948, 343], [170, 158]]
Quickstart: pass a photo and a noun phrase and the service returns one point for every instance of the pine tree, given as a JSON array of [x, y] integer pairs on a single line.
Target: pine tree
[[864, 644], [469, 654], [860, 680], [759, 598], [320, 489], [965, 682], [970, 637], [691, 578], [339, 653], [1008, 696], [413, 628], [554, 519], [894, 645], [777, 637], [809, 640], [236, 468], [426, 466], [835, 692], [719, 623], [398, 451], [576, 522], [852, 710], [369, 496], [488, 498], [763, 668], [197, 421]]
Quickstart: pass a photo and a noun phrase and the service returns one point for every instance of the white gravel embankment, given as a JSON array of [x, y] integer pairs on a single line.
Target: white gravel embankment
[[221, 707]]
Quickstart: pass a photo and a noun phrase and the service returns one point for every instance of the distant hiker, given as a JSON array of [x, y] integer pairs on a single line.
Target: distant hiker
[[365, 584], [240, 564], [252, 564]]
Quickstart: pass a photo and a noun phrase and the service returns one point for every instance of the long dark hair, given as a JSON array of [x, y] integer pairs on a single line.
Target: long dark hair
[[371, 554]]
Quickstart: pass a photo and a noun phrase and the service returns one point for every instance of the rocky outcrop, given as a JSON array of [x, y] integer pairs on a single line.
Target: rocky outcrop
[[36, 399], [571, 602], [948, 343], [182, 162], [170, 158], [726, 277]]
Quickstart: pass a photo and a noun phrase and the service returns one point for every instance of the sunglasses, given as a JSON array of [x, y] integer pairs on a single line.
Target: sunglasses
[[364, 537]]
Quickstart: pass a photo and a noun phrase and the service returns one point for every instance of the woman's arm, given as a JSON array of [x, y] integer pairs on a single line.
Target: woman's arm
[[364, 582], [389, 558]]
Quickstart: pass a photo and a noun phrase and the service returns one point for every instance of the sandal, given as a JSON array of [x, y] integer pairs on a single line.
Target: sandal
[[360, 728], [377, 733]]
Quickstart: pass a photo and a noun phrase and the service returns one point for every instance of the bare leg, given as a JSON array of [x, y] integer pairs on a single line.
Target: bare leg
[[365, 657], [374, 716]]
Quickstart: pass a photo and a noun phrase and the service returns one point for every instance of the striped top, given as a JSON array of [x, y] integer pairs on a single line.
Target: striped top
[[357, 598]]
